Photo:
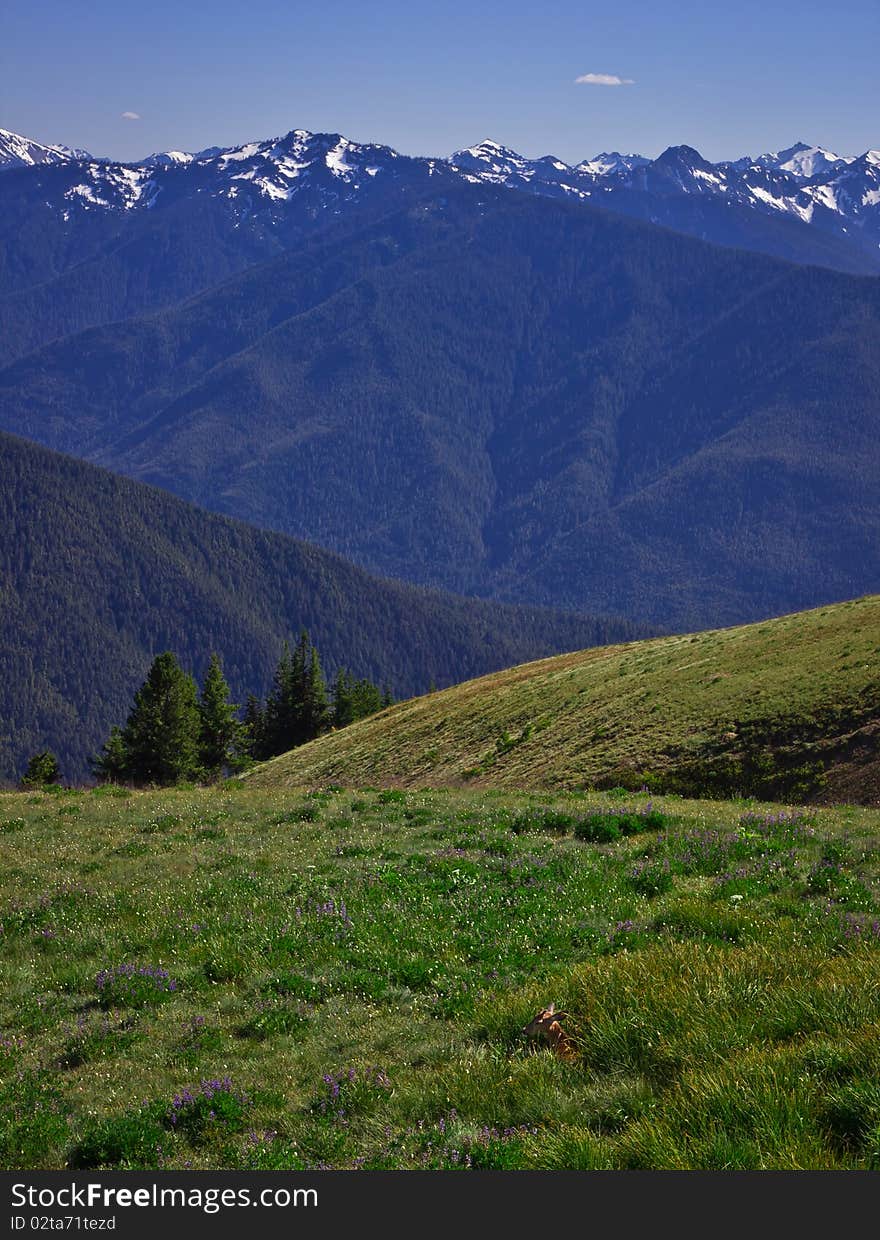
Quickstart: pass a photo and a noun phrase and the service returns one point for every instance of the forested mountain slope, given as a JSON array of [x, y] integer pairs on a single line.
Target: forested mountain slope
[[514, 397], [98, 574]]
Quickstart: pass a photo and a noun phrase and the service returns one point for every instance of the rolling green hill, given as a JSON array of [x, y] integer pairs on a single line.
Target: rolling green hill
[[98, 574], [786, 708]]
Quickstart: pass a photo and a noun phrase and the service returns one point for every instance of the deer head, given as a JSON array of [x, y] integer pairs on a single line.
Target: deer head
[[546, 1026], [541, 1024]]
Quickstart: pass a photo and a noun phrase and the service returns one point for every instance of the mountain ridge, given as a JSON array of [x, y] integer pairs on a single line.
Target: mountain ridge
[[98, 574], [836, 196], [518, 398]]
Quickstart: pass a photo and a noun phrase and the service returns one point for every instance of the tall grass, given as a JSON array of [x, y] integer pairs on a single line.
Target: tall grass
[[252, 978]]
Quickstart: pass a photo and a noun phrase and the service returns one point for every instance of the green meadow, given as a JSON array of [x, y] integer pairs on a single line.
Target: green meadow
[[255, 977]]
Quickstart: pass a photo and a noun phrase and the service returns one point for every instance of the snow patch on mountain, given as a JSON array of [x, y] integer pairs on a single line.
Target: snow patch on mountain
[[168, 159], [608, 162], [808, 183], [805, 161], [19, 152]]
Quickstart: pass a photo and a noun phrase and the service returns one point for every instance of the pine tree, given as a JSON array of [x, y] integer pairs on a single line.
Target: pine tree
[[355, 699], [42, 770], [297, 733], [252, 743], [111, 765], [161, 736], [343, 699], [296, 708], [367, 699], [315, 708], [279, 716], [220, 729]]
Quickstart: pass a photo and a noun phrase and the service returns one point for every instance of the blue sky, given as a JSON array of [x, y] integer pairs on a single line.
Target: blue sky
[[728, 79]]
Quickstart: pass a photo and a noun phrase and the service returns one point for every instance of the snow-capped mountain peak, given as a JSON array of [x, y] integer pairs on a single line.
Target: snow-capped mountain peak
[[490, 160], [261, 180], [168, 159], [608, 162], [488, 148], [20, 152], [805, 161]]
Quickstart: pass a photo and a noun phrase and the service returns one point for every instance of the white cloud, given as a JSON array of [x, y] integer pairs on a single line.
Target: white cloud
[[131, 116], [603, 79]]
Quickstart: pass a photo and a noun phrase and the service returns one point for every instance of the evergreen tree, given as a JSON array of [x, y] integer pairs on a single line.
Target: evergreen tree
[[279, 716], [299, 673], [220, 729], [161, 735], [111, 766], [355, 699], [367, 699], [315, 715], [297, 709], [253, 730], [343, 699], [42, 769]]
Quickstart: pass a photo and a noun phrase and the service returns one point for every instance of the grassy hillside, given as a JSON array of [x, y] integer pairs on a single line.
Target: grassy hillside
[[789, 707], [252, 978], [99, 574]]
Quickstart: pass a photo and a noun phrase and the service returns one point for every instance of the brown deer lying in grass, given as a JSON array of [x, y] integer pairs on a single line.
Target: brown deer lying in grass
[[546, 1027]]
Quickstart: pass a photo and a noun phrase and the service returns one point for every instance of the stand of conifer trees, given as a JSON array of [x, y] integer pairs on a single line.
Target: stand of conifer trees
[[175, 733]]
